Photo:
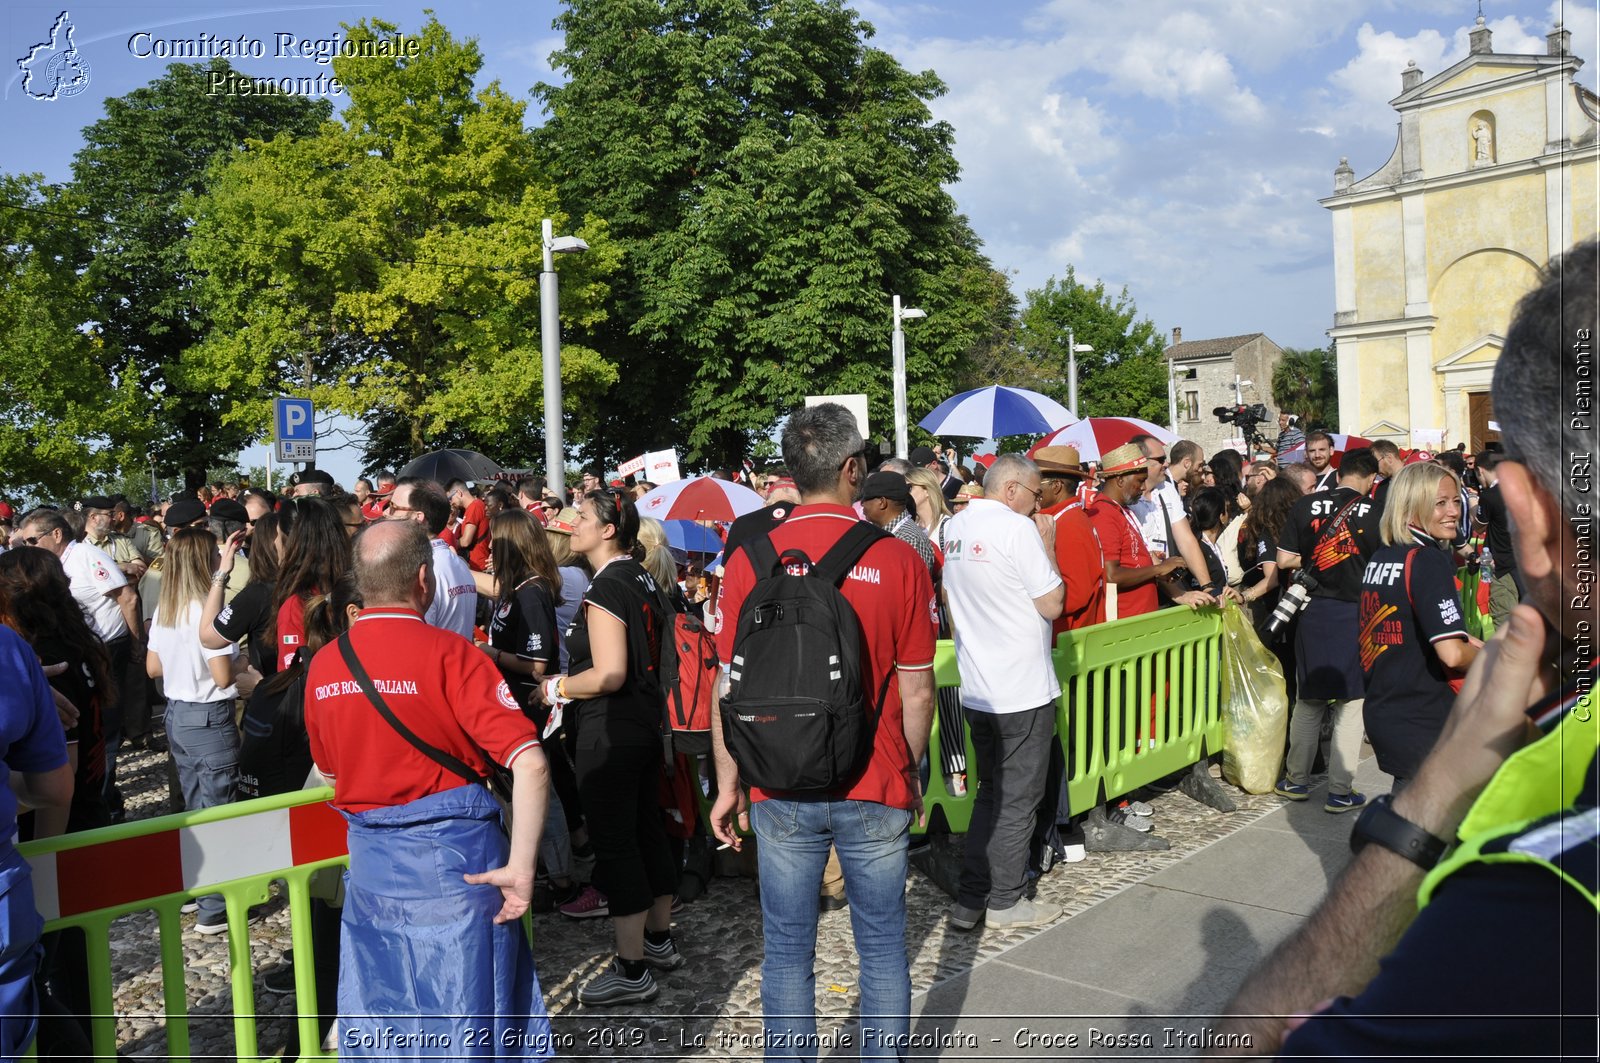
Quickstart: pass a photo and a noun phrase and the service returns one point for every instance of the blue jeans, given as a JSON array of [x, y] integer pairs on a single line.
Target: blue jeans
[[205, 749], [872, 841]]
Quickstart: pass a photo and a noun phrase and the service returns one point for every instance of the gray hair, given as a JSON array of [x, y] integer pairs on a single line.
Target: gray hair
[[899, 465], [816, 443], [386, 556], [1006, 468], [1548, 360]]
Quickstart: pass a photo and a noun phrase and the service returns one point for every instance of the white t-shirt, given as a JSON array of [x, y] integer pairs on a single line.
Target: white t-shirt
[[455, 596], [94, 577], [994, 567], [185, 675], [1147, 511]]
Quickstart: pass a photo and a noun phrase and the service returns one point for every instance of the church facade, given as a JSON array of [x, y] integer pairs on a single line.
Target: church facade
[[1495, 171]]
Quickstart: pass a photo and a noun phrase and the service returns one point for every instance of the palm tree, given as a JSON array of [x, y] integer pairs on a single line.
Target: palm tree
[[1306, 382]]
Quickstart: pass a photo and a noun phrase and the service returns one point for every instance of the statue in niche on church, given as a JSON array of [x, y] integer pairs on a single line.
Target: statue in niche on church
[[1482, 142]]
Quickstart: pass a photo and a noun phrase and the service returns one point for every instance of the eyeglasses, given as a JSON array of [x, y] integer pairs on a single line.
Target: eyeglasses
[[1159, 459], [1038, 495], [32, 540]]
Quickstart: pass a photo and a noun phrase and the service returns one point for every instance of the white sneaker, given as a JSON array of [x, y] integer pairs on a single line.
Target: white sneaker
[[1140, 808], [1024, 913], [1075, 853]]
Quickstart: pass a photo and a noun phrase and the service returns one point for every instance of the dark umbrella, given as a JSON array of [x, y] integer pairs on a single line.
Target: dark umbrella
[[446, 465]]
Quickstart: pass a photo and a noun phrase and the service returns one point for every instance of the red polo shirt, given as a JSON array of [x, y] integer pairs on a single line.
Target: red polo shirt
[[1123, 543], [1082, 566], [437, 683], [892, 594]]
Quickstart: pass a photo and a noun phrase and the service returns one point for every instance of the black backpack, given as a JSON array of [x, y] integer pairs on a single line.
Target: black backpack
[[795, 718]]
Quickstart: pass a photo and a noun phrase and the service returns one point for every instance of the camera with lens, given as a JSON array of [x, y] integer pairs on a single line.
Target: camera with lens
[[1294, 599], [1248, 418]]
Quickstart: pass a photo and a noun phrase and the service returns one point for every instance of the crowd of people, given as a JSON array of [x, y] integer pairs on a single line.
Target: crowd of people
[[407, 638]]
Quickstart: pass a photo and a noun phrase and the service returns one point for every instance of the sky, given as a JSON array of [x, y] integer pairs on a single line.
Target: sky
[[1177, 148]]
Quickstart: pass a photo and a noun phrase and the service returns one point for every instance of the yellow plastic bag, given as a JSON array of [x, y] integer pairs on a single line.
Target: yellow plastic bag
[[1254, 702]]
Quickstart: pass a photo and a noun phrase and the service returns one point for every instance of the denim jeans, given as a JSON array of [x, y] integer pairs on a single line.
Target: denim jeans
[[205, 749], [871, 840]]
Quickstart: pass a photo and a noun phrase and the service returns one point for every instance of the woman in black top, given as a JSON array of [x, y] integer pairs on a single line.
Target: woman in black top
[[614, 648], [1413, 636], [251, 613], [1258, 545], [522, 642], [274, 750]]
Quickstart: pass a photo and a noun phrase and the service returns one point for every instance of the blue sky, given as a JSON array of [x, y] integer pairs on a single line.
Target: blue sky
[[1179, 149]]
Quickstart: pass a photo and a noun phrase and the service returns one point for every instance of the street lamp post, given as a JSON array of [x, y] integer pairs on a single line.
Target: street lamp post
[[898, 343], [1074, 349], [550, 341]]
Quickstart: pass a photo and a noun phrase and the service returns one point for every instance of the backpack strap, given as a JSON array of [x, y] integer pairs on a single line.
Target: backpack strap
[[763, 557], [837, 562]]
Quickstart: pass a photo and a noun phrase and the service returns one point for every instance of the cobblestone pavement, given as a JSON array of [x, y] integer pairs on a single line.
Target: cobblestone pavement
[[707, 1006]]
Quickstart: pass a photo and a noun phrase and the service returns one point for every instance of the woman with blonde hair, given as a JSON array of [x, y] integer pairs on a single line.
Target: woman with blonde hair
[[1413, 636], [199, 686], [932, 512], [655, 555]]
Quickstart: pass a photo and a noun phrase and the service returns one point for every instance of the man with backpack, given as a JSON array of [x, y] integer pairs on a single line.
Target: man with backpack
[[827, 636]]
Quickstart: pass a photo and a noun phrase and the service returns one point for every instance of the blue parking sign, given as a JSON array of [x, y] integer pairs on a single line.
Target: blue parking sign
[[294, 429]]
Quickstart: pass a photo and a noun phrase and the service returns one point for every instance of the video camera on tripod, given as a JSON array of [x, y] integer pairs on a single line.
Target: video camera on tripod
[[1248, 418]]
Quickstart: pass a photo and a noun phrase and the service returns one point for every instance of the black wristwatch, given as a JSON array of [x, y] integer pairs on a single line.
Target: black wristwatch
[[1382, 824]]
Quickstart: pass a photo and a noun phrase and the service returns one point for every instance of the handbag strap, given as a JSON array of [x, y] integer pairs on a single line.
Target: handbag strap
[[364, 681]]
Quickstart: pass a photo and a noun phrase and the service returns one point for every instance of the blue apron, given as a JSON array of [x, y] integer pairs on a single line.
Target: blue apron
[[19, 953], [424, 971]]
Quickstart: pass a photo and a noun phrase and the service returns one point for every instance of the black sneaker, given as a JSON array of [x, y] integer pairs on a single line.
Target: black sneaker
[[612, 986], [279, 980], [663, 957]]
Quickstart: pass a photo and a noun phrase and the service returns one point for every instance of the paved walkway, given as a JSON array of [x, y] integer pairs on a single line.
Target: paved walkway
[[1143, 973], [1152, 940]]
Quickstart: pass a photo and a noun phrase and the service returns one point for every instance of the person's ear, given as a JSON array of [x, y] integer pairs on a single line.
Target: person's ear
[[1536, 523]]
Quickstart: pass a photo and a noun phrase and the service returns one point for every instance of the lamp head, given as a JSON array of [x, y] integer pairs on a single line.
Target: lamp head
[[568, 245], [910, 312]]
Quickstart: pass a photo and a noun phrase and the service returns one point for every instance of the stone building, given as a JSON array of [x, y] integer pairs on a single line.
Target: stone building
[[1206, 374], [1494, 172]]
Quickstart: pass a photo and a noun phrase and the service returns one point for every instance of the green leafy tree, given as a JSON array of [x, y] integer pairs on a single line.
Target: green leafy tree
[[1125, 374], [138, 165], [59, 404], [1306, 382], [387, 266], [773, 180]]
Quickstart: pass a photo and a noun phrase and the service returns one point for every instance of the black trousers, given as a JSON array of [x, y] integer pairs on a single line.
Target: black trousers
[[620, 790]]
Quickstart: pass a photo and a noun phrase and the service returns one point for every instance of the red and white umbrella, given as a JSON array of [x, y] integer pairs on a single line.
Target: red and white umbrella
[[1096, 436], [1341, 443], [702, 498]]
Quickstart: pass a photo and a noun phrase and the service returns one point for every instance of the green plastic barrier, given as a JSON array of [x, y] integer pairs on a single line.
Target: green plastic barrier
[[133, 857], [1119, 675]]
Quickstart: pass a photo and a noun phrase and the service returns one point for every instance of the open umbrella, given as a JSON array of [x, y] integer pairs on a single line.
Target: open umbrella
[[692, 538], [1341, 444], [443, 466], [996, 411], [702, 498], [1096, 436]]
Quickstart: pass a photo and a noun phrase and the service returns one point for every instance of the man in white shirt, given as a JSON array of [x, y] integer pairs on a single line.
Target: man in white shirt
[[1160, 511], [455, 595], [110, 605], [1003, 588]]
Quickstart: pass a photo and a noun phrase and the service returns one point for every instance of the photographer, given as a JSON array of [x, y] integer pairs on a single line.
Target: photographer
[[1332, 534]]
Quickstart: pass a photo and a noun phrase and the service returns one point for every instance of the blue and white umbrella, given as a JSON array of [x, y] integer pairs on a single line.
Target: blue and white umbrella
[[692, 538], [996, 411]]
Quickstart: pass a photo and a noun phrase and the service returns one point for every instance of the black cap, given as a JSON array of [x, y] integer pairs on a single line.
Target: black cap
[[228, 509], [312, 476], [98, 502], [923, 455], [185, 511], [890, 485]]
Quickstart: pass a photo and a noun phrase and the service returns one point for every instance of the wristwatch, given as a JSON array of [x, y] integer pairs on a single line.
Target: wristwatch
[[1382, 824]]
